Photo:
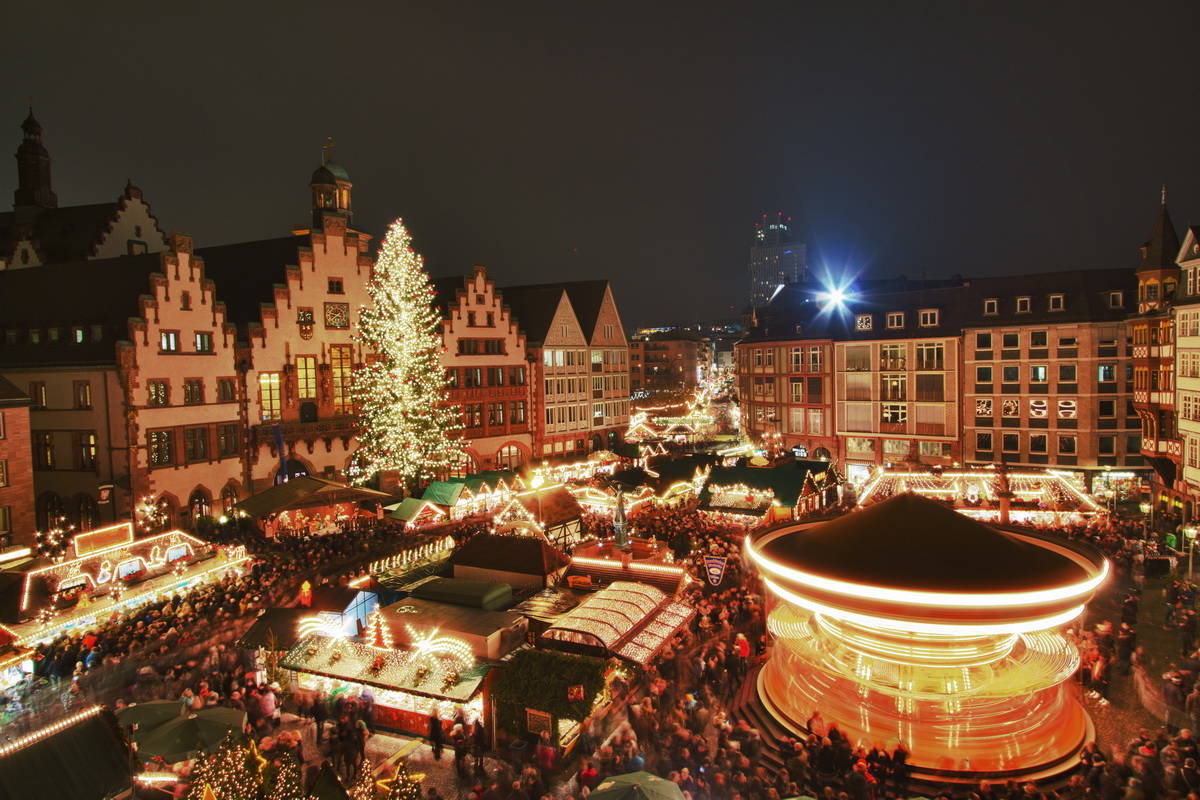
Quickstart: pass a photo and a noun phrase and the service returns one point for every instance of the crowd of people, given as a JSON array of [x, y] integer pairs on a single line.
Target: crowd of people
[[676, 719]]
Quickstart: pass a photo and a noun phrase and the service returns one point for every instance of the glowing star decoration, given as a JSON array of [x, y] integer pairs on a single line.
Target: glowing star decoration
[[407, 424], [378, 635], [320, 626], [430, 644]]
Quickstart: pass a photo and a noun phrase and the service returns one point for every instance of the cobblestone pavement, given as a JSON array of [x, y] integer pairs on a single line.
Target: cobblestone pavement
[[1118, 722]]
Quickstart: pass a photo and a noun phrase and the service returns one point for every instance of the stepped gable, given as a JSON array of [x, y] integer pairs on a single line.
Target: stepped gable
[[912, 543]]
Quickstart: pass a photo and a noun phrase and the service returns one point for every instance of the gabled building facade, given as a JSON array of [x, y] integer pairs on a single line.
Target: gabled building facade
[[487, 371], [37, 231], [1153, 332]]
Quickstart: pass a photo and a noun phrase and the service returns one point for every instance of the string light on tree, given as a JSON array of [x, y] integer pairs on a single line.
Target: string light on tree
[[407, 425], [287, 782]]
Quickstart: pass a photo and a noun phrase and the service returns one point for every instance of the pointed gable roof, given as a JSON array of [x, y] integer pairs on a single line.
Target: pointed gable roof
[[534, 309], [587, 298], [1159, 252]]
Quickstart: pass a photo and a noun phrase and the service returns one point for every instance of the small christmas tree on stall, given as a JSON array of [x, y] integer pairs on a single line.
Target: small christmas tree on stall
[[404, 786], [287, 781], [406, 424], [364, 785], [378, 635]]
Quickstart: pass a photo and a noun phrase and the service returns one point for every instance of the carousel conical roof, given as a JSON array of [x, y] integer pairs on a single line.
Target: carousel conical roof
[[912, 543]]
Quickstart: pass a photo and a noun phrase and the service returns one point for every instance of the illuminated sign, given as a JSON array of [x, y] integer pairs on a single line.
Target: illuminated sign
[[103, 538]]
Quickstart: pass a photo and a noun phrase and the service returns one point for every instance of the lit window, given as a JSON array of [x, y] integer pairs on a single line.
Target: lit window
[[168, 341], [862, 322]]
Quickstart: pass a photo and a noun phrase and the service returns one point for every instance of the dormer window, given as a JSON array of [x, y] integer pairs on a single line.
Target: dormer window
[[862, 322], [1024, 304], [895, 319], [991, 307], [1057, 302], [1116, 299], [929, 317]]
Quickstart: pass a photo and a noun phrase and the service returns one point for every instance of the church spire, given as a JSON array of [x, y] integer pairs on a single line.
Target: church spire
[[1160, 250], [33, 169]]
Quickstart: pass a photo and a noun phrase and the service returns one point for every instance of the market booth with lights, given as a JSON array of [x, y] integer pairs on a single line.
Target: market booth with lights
[[111, 563], [909, 621], [430, 653]]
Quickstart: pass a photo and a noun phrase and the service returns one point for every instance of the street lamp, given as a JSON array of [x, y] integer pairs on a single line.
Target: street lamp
[[1146, 509]]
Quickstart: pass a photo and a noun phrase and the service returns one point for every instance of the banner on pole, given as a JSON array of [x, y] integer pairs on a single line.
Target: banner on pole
[[714, 567]]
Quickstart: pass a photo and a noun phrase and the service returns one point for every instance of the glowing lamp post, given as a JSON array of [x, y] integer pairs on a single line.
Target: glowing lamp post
[[908, 621], [1148, 519]]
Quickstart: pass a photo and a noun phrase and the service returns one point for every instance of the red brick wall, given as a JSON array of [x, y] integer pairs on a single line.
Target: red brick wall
[[16, 448]]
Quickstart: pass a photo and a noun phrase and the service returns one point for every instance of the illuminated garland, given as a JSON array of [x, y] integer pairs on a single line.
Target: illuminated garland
[[378, 635], [406, 424]]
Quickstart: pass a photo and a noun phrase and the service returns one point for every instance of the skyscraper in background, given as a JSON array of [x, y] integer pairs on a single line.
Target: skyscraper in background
[[775, 258]]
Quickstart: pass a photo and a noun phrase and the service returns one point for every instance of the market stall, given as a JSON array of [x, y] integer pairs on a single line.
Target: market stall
[[310, 505]]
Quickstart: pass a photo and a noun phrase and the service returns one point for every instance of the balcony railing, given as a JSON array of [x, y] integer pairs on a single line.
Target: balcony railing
[[264, 433]]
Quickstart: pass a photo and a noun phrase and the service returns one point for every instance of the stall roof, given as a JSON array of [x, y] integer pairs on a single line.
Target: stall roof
[[316, 656], [410, 508], [549, 604], [84, 760], [427, 615], [628, 619], [284, 623], [508, 553], [305, 491], [557, 505], [486, 595], [787, 484], [612, 612], [443, 493], [490, 479]]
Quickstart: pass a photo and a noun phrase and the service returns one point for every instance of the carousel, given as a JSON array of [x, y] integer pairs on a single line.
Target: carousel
[[910, 622]]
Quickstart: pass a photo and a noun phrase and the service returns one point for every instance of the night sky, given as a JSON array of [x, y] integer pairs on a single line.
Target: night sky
[[633, 141]]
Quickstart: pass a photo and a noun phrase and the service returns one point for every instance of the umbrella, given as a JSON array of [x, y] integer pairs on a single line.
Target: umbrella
[[150, 714], [187, 737], [636, 786]]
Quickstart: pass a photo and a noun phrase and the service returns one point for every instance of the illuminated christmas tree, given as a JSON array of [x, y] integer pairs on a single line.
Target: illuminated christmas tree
[[404, 786], [364, 785], [287, 781], [405, 422], [226, 775]]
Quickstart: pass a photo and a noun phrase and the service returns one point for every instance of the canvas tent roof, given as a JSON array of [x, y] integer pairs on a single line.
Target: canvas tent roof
[[410, 508], [443, 493], [304, 491]]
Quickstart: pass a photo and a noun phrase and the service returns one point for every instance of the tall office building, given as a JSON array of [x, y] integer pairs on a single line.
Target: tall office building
[[775, 258]]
